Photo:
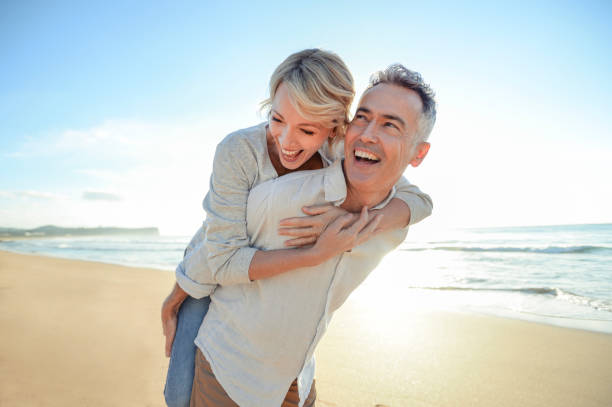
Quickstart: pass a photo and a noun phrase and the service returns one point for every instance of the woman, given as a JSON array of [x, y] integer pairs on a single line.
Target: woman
[[310, 95]]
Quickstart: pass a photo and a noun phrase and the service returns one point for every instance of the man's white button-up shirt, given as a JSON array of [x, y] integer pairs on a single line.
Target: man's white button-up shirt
[[259, 336]]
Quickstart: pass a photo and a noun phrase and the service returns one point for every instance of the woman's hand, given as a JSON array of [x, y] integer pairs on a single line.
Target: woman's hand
[[346, 232], [306, 230]]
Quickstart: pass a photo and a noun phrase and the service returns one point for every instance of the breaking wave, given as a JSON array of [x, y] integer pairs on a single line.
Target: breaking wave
[[595, 303], [543, 250]]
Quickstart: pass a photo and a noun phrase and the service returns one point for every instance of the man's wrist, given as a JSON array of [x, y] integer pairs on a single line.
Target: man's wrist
[[176, 297]]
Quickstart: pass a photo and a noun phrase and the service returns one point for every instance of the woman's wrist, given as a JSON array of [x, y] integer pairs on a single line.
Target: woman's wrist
[[312, 256], [306, 256], [319, 253]]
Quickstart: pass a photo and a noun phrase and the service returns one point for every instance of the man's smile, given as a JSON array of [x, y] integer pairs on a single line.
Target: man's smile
[[365, 157]]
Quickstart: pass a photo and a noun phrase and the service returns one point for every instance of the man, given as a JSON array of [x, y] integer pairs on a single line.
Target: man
[[258, 337]]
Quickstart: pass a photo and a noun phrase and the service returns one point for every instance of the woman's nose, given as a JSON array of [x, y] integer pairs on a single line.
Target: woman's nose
[[287, 137]]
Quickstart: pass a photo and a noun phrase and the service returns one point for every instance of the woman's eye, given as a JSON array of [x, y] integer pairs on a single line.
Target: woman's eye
[[360, 117], [308, 132], [276, 119]]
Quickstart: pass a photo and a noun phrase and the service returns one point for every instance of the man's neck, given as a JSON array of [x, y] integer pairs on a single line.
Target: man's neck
[[356, 199]]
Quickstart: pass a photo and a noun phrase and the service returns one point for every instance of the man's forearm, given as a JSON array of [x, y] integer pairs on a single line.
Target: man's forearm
[[175, 299]]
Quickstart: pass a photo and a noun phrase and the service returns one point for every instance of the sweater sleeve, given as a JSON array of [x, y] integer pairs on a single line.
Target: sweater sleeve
[[420, 204], [195, 240], [199, 283], [223, 255]]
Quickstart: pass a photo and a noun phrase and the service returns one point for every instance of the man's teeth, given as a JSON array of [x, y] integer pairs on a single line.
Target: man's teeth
[[290, 153], [366, 155]]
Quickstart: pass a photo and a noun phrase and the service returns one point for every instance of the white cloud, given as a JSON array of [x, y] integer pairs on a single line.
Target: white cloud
[[101, 196], [31, 195], [105, 175], [480, 171], [141, 174], [483, 173], [39, 195]]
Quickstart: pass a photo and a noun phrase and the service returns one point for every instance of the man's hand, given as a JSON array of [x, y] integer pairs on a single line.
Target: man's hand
[[305, 230], [169, 312]]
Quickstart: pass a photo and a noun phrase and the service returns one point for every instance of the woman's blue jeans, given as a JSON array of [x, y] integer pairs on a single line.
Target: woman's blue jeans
[[182, 358]]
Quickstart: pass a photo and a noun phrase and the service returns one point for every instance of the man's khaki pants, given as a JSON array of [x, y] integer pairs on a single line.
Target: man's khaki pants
[[207, 392]]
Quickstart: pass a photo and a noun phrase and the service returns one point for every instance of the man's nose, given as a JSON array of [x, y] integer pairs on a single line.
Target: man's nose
[[369, 134]]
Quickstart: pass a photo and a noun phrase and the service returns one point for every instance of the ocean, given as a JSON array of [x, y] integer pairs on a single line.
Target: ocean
[[560, 275]]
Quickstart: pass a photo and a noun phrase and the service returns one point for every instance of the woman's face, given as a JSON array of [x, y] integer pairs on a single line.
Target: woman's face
[[296, 138]]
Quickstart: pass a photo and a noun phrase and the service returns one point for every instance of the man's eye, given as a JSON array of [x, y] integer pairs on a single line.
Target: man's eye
[[360, 117], [392, 125]]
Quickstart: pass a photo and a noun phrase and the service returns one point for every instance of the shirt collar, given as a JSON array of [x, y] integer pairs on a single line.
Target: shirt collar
[[335, 186], [334, 183]]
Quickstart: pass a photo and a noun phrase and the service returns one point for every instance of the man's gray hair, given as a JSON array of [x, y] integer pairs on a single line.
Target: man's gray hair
[[399, 75]]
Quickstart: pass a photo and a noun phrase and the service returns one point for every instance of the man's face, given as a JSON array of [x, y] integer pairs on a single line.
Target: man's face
[[379, 141]]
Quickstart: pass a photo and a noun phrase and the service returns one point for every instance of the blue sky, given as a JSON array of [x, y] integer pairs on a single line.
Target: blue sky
[[109, 113]]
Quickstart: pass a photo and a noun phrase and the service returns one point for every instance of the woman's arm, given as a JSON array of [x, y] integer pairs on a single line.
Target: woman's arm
[[223, 256], [225, 250], [408, 207], [340, 236], [396, 213], [419, 204]]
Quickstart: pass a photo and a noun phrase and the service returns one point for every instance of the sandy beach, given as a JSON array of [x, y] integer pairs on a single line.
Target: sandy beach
[[78, 333]]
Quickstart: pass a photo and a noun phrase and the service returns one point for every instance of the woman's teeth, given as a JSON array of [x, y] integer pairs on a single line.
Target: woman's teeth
[[290, 153]]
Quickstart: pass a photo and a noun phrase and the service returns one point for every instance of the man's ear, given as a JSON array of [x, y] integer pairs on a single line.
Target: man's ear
[[421, 151]]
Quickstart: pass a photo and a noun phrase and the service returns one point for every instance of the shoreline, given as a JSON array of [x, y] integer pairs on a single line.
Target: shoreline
[[86, 333], [51, 256], [447, 301]]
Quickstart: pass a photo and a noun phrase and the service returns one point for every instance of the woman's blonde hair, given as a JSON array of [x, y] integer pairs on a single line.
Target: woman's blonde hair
[[320, 86]]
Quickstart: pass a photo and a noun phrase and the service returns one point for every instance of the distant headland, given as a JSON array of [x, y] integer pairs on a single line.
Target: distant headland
[[57, 231]]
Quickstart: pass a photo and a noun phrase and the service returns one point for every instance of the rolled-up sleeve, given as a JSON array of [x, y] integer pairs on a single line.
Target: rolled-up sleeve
[[199, 283], [195, 241], [224, 252], [420, 203], [195, 289]]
